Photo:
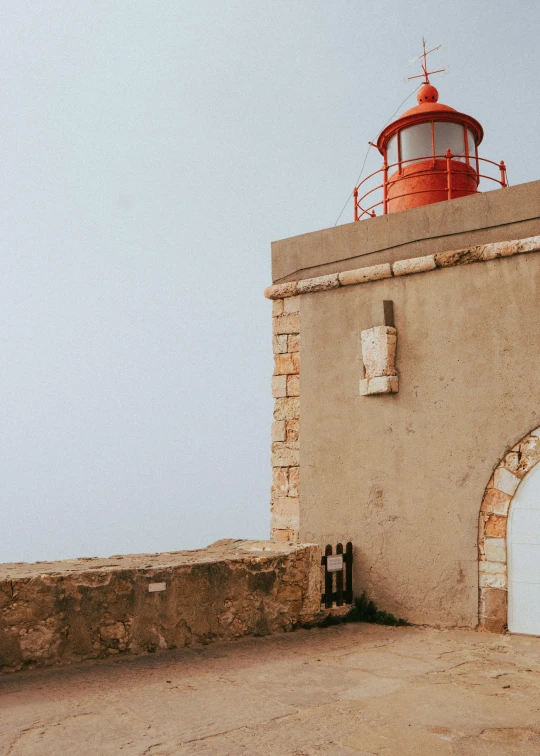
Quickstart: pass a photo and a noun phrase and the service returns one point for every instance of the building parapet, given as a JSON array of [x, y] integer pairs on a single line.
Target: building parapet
[[465, 256]]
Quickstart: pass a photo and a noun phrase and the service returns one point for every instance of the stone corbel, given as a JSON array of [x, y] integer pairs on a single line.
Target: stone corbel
[[379, 357]]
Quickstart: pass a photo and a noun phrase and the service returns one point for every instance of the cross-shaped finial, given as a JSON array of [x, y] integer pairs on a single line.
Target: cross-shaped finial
[[426, 73]]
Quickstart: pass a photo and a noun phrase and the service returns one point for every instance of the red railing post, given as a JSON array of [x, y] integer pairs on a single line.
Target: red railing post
[[355, 193], [385, 188], [449, 173], [502, 168]]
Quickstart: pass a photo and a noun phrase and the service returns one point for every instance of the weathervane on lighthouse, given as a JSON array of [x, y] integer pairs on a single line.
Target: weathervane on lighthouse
[[426, 74], [430, 154]]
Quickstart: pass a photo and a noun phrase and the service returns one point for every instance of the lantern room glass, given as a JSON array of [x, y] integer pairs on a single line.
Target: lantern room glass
[[392, 153], [433, 138], [471, 145], [450, 136], [415, 143]]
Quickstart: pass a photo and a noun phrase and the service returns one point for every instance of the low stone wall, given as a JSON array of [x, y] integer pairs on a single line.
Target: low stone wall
[[62, 612]]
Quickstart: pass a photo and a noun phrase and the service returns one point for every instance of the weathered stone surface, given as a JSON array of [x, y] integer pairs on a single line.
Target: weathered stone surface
[[414, 265], [284, 536], [505, 481], [363, 275], [459, 256], [379, 351], [511, 461], [280, 291], [293, 385], [529, 454], [285, 436], [321, 283], [287, 364], [286, 506], [286, 324], [495, 549], [279, 344], [293, 342], [60, 612], [287, 409], [495, 526], [285, 521], [280, 482], [493, 609], [294, 481], [277, 307], [378, 355], [492, 578], [495, 502], [291, 305], [484, 252], [348, 690], [292, 429], [279, 386], [493, 568], [278, 430], [507, 249], [285, 454], [387, 384]]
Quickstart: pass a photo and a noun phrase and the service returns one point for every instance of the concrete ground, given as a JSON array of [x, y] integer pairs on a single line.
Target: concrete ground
[[351, 689]]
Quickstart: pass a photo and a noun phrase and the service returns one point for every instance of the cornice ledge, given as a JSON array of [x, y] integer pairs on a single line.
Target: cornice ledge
[[411, 266]]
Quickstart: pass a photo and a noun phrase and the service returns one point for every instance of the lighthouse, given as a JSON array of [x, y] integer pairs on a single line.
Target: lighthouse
[[406, 382], [430, 154]]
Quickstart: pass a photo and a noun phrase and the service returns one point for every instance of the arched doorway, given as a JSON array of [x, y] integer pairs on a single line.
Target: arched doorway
[[523, 545], [497, 503]]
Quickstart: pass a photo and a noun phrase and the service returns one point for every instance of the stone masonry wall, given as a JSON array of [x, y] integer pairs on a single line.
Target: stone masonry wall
[[286, 426], [286, 299], [54, 613]]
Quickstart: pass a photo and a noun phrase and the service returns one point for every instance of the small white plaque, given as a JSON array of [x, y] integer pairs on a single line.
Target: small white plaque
[[334, 563], [155, 587]]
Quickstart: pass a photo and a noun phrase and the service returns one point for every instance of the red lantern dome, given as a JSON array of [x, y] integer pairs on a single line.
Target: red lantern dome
[[430, 154]]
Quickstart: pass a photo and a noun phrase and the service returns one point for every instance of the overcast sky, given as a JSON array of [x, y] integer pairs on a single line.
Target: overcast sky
[[151, 151]]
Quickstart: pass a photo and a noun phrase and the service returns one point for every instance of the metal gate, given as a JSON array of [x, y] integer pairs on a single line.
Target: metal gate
[[340, 565]]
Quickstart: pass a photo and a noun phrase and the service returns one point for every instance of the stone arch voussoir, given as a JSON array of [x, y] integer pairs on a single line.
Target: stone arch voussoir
[[492, 551]]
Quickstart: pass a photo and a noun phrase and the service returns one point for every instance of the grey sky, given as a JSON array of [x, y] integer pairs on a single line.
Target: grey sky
[[151, 152]]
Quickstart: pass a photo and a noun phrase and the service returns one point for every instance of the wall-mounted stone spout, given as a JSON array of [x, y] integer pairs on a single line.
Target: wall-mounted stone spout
[[379, 357]]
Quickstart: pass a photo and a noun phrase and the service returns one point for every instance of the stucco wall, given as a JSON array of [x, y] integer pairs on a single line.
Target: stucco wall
[[60, 612], [403, 475], [501, 215]]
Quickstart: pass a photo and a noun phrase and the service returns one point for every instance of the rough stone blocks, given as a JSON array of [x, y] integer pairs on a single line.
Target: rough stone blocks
[[285, 324], [493, 609], [363, 275], [321, 283], [286, 391], [414, 265], [279, 386], [493, 522], [64, 612], [385, 384], [379, 357], [287, 364]]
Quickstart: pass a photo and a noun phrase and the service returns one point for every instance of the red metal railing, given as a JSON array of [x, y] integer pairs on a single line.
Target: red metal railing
[[450, 161]]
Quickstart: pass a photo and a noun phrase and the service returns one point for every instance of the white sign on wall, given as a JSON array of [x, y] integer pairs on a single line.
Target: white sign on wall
[[334, 563], [156, 587]]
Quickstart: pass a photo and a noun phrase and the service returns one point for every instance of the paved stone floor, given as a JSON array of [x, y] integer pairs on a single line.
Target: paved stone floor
[[351, 689]]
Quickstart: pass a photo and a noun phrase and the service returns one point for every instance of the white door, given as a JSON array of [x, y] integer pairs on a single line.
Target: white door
[[523, 540]]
